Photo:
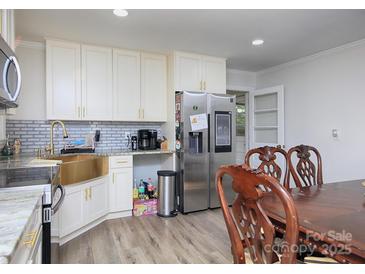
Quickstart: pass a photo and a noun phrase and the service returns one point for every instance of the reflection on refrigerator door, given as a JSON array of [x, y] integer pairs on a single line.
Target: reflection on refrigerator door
[[222, 115], [193, 191]]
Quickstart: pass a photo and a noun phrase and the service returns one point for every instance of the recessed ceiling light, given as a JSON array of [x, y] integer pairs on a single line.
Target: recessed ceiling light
[[257, 42], [120, 12]]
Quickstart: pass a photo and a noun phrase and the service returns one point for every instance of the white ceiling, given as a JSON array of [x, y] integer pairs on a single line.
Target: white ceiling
[[288, 34]]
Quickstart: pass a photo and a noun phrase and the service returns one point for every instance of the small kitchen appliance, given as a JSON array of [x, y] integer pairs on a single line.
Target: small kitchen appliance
[[134, 142], [147, 139]]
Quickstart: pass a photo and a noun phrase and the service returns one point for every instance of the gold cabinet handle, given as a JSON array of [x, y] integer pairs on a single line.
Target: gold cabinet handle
[[33, 237], [201, 85], [79, 112], [142, 113], [90, 190], [122, 162], [113, 178], [86, 189], [205, 85], [83, 111]]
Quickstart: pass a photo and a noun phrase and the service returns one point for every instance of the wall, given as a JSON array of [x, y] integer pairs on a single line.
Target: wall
[[325, 92], [35, 134], [241, 80]]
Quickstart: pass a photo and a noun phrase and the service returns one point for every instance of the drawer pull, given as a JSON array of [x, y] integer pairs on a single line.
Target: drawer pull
[[33, 237], [122, 162]]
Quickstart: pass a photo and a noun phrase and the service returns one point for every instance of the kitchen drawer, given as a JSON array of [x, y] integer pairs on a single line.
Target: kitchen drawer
[[121, 161], [30, 239]]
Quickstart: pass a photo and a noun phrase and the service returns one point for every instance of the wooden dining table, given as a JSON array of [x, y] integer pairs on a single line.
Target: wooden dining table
[[331, 218]]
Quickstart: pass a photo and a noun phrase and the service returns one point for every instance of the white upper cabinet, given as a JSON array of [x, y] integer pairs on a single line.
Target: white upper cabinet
[[97, 83], [126, 85], [63, 80], [153, 87], [214, 74], [7, 26], [188, 72], [104, 84], [193, 72]]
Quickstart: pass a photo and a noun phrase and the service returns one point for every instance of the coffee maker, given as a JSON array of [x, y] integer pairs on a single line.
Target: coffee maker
[[147, 139]]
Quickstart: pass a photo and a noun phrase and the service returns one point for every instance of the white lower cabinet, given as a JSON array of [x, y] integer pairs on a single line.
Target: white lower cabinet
[[96, 205], [121, 189], [83, 204], [72, 210], [88, 203]]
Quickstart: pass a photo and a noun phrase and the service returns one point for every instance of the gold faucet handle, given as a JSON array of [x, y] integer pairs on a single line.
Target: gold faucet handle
[[39, 153], [48, 150]]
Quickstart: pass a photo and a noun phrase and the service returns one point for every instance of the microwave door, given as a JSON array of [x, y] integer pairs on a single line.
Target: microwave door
[[11, 78]]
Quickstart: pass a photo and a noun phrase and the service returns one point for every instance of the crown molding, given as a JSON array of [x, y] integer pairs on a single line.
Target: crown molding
[[30, 44], [313, 56]]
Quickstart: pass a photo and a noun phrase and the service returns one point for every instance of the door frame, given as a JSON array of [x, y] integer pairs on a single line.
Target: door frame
[[246, 92], [281, 114]]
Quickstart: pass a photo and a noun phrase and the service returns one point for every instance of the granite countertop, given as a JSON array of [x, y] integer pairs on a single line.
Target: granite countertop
[[20, 161], [23, 160], [121, 152], [16, 208]]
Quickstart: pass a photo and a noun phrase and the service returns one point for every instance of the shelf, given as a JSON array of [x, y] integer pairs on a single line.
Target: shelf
[[266, 110], [266, 127]]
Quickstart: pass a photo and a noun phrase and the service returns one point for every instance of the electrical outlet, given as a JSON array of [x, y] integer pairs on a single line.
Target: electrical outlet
[[127, 134], [335, 133]]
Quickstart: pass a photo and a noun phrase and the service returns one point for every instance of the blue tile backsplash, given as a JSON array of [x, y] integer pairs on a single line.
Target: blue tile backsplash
[[36, 133]]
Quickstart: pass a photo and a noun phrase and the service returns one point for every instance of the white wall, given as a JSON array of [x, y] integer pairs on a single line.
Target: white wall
[[241, 80], [32, 98], [323, 93]]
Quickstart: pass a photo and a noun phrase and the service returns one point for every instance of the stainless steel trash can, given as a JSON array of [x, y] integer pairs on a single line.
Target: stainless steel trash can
[[166, 203]]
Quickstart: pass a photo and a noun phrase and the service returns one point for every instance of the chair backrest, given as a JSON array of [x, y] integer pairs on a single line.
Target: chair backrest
[[247, 222], [267, 156], [305, 172]]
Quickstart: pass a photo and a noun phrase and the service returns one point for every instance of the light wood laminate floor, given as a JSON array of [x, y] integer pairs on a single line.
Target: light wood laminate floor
[[199, 237]]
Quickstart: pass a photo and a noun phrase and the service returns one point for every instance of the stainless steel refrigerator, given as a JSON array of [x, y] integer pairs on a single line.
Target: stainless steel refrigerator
[[205, 140]]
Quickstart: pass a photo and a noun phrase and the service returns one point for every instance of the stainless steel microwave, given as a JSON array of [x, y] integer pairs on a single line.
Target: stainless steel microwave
[[10, 77]]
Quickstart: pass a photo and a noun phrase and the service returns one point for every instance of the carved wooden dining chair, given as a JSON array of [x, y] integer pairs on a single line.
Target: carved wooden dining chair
[[268, 156], [305, 172], [248, 225]]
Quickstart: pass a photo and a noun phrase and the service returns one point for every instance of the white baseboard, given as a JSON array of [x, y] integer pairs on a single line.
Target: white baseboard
[[115, 215], [109, 216]]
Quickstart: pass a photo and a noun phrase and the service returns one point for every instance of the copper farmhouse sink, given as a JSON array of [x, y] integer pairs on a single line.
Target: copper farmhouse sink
[[78, 168]]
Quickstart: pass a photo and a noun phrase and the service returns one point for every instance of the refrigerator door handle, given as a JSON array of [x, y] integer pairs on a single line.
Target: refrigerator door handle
[[208, 133]]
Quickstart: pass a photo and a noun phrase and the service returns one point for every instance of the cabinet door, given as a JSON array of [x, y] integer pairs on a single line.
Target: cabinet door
[[214, 75], [96, 83], [71, 213], [188, 75], [97, 203], [153, 87], [63, 80], [126, 85], [121, 190]]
